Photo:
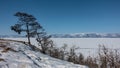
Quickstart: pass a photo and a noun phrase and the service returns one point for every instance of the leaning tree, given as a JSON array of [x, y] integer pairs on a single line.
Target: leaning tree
[[26, 23]]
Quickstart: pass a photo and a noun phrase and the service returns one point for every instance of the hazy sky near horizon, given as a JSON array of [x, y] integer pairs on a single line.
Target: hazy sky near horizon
[[64, 16]]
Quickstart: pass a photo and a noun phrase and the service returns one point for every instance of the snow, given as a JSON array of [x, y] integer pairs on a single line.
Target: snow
[[22, 56]]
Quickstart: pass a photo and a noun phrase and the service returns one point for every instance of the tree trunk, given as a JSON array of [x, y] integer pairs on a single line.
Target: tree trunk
[[28, 35]]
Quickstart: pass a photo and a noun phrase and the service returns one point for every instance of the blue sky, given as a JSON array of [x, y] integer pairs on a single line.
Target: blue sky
[[64, 16]]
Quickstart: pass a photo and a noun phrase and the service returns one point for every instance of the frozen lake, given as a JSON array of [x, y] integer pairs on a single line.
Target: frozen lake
[[81, 42], [89, 42]]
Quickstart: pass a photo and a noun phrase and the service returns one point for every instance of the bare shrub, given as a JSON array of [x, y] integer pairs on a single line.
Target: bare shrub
[[44, 42], [56, 53], [72, 57], [108, 58], [63, 52], [81, 59], [60, 53], [90, 62]]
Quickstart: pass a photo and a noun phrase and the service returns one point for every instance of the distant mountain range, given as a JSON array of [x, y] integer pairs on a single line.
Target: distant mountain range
[[87, 35], [75, 35]]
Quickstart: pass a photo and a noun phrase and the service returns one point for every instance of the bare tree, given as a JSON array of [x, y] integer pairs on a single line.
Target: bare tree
[[44, 41]]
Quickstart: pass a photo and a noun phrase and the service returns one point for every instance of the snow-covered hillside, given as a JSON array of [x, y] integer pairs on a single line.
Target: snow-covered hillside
[[18, 55]]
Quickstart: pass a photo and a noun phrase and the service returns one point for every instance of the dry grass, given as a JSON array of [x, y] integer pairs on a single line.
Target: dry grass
[[8, 49], [2, 59], [4, 45], [8, 40]]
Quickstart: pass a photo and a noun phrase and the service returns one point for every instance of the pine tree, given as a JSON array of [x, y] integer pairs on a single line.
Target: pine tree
[[26, 23]]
